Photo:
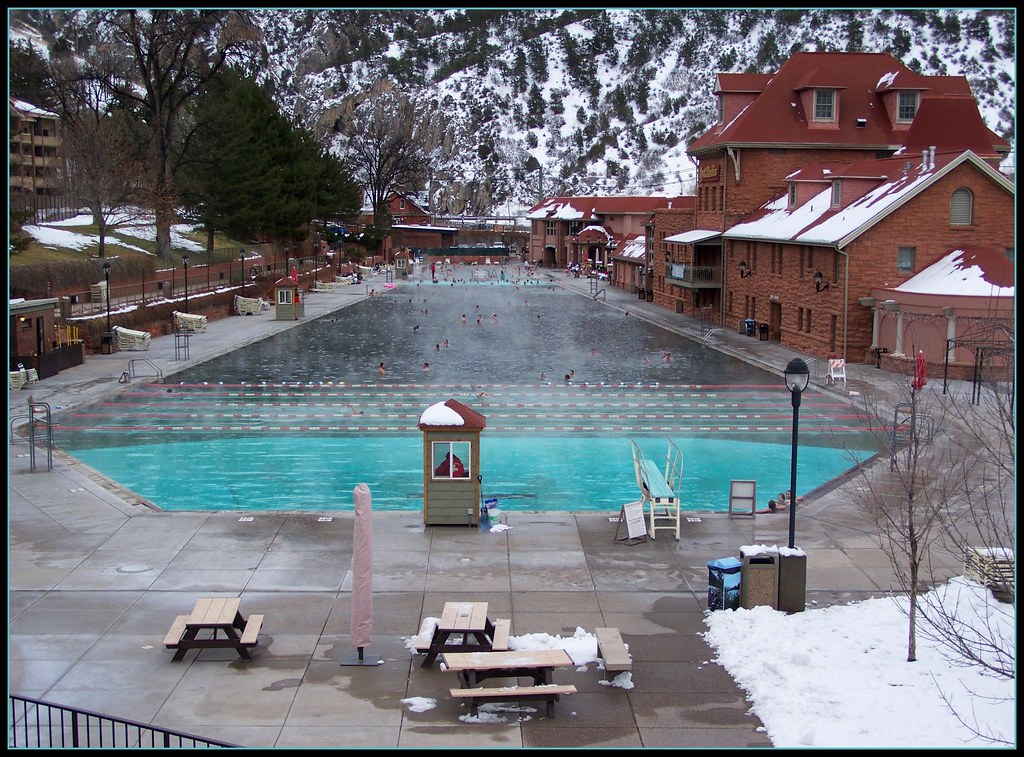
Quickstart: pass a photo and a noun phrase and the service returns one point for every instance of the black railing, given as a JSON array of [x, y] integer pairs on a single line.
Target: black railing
[[35, 724]]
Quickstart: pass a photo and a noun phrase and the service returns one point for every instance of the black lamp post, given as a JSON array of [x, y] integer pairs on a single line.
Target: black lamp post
[[797, 378], [241, 263], [184, 264], [316, 258], [106, 279]]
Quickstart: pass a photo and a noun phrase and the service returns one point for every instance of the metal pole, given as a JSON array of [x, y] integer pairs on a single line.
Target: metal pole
[[184, 263], [791, 504], [106, 279]]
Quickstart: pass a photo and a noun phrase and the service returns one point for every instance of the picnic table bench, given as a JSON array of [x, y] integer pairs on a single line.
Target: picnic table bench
[[612, 650], [537, 665], [219, 617]]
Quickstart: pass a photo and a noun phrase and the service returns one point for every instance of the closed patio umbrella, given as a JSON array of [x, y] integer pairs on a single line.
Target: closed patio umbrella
[[920, 372], [361, 626]]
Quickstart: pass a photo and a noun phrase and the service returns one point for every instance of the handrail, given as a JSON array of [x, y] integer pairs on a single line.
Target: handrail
[[37, 724], [133, 361]]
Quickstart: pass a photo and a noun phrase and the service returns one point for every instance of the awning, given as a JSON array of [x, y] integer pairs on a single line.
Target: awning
[[692, 237]]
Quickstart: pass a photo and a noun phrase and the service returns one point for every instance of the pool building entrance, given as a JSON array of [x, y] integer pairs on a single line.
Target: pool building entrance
[[296, 421]]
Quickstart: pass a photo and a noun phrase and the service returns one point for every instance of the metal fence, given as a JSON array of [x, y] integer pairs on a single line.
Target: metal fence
[[35, 724]]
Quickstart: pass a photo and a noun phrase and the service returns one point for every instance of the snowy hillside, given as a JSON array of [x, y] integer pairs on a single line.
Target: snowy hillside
[[519, 104]]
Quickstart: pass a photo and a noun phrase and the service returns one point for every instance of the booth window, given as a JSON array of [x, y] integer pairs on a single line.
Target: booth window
[[284, 296], [450, 459]]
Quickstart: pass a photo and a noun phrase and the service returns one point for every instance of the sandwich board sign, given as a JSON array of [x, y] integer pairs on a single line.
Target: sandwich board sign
[[632, 515]]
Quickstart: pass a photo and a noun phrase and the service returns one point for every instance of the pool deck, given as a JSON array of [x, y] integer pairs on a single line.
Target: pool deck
[[95, 579]]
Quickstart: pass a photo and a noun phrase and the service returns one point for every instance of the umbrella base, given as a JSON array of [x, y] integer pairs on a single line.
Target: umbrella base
[[358, 658]]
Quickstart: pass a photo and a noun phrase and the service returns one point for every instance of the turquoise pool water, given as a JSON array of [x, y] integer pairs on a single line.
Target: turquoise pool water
[[296, 421]]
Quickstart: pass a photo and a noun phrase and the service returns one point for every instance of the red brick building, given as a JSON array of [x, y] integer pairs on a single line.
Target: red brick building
[[795, 157], [585, 231]]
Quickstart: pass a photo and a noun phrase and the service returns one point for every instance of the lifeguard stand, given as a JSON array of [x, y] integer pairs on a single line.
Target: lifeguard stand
[[289, 300], [451, 464]]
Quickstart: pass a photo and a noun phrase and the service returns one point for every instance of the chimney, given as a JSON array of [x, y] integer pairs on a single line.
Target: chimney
[[924, 159], [931, 150]]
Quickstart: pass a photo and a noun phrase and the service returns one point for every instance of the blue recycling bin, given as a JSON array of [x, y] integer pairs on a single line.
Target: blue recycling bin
[[749, 325], [724, 583]]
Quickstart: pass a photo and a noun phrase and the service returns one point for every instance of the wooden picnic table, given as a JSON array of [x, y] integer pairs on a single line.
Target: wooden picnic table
[[214, 623], [536, 664], [466, 620]]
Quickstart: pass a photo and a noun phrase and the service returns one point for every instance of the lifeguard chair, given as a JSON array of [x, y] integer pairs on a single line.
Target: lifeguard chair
[[659, 490]]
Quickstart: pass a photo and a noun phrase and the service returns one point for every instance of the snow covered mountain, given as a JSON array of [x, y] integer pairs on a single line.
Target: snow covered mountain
[[520, 104]]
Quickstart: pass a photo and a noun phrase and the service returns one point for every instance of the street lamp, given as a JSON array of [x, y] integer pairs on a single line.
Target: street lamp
[[184, 263], [106, 279], [241, 263], [797, 377], [316, 258]]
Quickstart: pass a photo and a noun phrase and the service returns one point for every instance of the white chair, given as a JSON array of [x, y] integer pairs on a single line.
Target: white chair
[[836, 370], [130, 339], [189, 322], [659, 490], [742, 498]]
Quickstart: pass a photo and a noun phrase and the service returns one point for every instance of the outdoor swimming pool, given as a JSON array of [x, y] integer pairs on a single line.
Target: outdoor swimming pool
[[296, 421]]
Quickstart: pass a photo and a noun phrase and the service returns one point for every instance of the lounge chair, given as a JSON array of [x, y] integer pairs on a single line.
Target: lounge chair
[[189, 322], [249, 305], [129, 339], [18, 379]]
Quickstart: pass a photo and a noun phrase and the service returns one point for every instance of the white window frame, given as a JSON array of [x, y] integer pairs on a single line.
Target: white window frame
[[820, 105], [791, 202], [439, 449], [906, 102]]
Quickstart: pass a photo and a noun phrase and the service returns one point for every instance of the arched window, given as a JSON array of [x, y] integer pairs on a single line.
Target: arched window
[[961, 206]]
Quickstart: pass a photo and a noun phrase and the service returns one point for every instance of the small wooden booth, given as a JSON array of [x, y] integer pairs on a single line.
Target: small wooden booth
[[288, 298], [451, 464], [402, 264]]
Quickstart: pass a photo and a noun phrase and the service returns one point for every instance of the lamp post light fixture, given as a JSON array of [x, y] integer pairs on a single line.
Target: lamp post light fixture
[[818, 285], [106, 280], [797, 378], [744, 271], [184, 264]]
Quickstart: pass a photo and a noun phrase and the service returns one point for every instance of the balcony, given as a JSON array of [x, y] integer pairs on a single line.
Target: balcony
[[694, 276]]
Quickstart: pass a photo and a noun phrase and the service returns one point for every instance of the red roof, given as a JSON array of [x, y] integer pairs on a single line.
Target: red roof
[[777, 116], [951, 124]]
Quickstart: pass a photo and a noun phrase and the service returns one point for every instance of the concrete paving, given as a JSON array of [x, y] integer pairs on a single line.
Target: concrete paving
[[96, 577]]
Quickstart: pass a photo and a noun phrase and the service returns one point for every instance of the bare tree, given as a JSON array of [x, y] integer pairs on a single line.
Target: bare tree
[[950, 488], [158, 60], [103, 167], [381, 150]]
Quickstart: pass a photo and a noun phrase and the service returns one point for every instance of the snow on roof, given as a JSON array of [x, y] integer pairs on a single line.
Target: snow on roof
[[29, 109], [970, 273], [439, 414], [634, 249], [693, 236]]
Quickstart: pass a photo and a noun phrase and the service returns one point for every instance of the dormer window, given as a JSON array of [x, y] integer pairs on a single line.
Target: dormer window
[[824, 105], [721, 109], [401, 203], [907, 107], [792, 195], [837, 191]]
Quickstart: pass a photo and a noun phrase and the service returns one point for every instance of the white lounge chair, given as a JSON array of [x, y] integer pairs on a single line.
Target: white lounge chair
[[249, 305], [18, 379], [129, 339], [189, 322]]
